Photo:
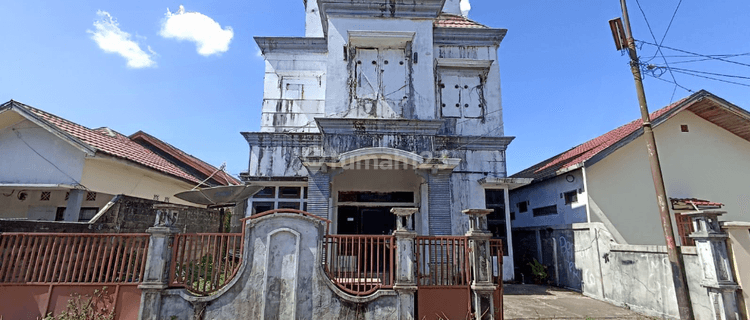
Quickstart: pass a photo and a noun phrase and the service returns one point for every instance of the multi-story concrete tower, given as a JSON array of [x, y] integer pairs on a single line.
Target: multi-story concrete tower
[[383, 103]]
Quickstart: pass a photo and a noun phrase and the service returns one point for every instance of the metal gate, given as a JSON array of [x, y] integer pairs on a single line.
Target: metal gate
[[443, 277]]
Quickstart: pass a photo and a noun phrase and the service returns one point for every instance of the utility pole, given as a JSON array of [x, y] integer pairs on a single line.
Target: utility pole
[[674, 253]]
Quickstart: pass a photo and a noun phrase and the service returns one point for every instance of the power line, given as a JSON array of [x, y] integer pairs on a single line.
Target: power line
[[711, 78], [696, 54], [668, 27], [712, 73], [658, 47]]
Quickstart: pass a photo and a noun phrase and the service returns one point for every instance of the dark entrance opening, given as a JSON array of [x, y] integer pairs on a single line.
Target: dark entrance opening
[[366, 220]]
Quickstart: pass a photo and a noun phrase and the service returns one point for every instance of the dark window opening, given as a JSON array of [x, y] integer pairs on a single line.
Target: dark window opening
[[571, 196], [512, 215], [87, 214], [366, 196], [60, 214], [545, 211], [684, 128], [290, 192], [523, 206], [365, 220], [267, 192], [259, 207], [495, 199], [289, 205]]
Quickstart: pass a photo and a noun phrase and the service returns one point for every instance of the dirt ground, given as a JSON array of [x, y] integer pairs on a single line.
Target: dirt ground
[[542, 302]]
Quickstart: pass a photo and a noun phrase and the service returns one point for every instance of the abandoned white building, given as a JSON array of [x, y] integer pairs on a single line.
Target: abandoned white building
[[383, 106]]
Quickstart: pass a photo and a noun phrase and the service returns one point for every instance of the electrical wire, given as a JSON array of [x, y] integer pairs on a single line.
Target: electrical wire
[[668, 27], [711, 78], [658, 47], [18, 134], [710, 57]]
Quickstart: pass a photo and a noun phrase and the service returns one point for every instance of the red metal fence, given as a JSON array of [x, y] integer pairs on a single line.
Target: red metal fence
[[496, 252], [443, 277], [204, 263], [41, 258], [359, 264], [442, 261]]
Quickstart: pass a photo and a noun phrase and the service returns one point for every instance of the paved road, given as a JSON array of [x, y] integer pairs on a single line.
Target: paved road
[[541, 302]]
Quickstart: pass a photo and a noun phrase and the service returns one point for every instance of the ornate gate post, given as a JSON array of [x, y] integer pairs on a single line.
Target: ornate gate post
[[156, 277], [405, 280], [711, 244], [482, 287]]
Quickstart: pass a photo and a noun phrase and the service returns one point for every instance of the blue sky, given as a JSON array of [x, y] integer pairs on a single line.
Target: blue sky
[[563, 81]]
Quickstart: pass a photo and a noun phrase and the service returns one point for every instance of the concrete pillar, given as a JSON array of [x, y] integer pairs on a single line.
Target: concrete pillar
[[156, 275], [405, 284], [73, 207], [739, 242], [480, 258], [711, 245], [439, 202]]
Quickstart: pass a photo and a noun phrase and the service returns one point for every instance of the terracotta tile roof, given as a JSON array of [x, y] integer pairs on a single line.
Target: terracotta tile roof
[[688, 202], [112, 143], [447, 20], [220, 177], [585, 151]]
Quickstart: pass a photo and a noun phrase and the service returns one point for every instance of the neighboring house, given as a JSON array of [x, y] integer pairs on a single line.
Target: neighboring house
[[57, 170], [704, 147], [379, 108]]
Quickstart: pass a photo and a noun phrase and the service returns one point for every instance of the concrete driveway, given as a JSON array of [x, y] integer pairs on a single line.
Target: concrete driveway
[[542, 302]]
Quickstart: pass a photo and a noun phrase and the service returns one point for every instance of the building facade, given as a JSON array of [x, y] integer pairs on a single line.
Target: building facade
[[383, 106]]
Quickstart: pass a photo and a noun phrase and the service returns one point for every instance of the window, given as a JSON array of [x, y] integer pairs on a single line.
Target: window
[[571, 197], [495, 199], [286, 197], [87, 214], [545, 211], [381, 73], [267, 192], [523, 206], [461, 94], [45, 196], [290, 192], [90, 196]]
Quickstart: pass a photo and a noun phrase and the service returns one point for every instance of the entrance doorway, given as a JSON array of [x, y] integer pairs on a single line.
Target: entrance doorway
[[366, 220], [366, 212]]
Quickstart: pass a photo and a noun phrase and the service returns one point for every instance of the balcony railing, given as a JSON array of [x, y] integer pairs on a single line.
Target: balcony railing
[[359, 264]]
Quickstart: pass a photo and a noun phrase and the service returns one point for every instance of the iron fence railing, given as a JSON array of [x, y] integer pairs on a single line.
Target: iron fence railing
[[442, 261], [203, 263], [359, 264], [91, 258]]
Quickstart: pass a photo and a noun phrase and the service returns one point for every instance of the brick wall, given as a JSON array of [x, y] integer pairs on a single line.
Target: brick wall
[[128, 214]]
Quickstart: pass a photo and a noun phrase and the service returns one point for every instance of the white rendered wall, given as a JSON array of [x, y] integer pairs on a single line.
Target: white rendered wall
[[284, 110], [492, 122], [547, 193], [26, 164], [707, 162], [338, 88]]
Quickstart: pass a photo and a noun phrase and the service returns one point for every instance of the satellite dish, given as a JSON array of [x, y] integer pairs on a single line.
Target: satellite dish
[[219, 195]]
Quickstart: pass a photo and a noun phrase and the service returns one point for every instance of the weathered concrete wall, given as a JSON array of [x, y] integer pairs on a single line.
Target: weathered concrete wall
[[281, 277], [585, 257]]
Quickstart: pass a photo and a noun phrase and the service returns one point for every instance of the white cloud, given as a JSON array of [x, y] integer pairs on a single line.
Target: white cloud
[[111, 39], [207, 34]]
